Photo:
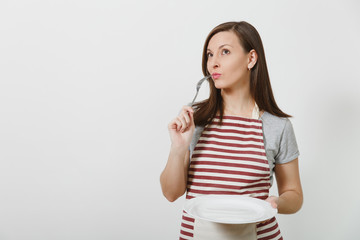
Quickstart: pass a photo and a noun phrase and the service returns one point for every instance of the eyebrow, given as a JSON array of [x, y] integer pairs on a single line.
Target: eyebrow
[[220, 46]]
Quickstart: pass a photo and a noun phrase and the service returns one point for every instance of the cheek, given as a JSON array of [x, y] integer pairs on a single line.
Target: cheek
[[237, 61], [235, 70], [237, 66], [230, 66]]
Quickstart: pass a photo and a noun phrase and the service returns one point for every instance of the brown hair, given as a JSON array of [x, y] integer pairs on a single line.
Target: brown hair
[[260, 87]]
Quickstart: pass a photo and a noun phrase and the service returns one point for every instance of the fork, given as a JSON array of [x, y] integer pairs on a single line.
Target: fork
[[198, 87]]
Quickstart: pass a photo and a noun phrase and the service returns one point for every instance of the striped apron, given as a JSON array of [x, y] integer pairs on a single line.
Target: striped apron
[[229, 159]]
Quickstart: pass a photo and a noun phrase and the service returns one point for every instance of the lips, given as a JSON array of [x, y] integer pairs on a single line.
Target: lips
[[215, 75]]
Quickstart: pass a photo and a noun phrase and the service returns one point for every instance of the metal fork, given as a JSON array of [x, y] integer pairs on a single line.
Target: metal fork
[[198, 87]]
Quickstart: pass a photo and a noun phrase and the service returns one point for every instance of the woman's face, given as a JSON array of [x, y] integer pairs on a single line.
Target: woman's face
[[227, 57]]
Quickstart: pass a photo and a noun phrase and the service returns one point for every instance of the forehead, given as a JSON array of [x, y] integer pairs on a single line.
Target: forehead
[[222, 38]]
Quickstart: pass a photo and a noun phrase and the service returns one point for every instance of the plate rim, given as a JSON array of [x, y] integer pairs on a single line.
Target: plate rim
[[188, 202]]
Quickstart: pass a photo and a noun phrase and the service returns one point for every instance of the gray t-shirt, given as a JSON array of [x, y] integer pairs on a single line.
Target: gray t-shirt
[[279, 140]]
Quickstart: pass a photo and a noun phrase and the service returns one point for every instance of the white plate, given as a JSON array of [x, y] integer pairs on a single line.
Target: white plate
[[232, 209]]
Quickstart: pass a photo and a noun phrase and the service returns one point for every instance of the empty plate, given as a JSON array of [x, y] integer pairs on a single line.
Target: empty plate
[[232, 209]]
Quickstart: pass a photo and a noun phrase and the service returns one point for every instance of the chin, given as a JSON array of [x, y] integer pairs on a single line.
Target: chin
[[220, 86], [217, 86]]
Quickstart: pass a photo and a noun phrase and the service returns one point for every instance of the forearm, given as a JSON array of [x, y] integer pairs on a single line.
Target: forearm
[[174, 177], [290, 202]]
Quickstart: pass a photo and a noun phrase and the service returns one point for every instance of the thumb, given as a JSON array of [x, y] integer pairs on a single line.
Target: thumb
[[272, 201]]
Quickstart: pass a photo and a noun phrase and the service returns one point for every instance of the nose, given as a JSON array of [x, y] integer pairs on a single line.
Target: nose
[[214, 63]]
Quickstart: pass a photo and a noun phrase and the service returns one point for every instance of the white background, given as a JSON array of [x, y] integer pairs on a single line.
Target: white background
[[88, 87]]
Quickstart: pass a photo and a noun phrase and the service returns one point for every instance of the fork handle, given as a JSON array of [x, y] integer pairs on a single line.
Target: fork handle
[[194, 99]]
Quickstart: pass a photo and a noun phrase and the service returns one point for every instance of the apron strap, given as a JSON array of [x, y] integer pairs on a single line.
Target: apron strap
[[256, 112]]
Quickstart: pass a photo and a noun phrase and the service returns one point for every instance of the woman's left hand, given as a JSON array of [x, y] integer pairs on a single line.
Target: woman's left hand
[[273, 200]]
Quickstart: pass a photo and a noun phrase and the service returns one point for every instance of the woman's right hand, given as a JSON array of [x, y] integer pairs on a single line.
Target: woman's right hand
[[182, 127]]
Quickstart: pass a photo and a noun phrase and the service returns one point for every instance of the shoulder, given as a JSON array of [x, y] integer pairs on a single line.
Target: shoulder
[[274, 124], [280, 139], [272, 119]]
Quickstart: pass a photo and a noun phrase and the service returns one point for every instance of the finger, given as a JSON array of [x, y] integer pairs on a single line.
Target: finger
[[186, 124], [187, 118], [263, 222], [179, 124], [174, 124], [182, 121], [188, 108], [192, 117], [190, 113]]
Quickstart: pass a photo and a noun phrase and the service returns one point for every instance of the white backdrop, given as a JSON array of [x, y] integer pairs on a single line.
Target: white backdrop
[[87, 88]]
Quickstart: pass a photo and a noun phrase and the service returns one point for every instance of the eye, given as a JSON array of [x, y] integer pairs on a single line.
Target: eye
[[225, 50]]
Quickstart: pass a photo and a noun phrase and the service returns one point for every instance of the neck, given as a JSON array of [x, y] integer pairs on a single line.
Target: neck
[[238, 102]]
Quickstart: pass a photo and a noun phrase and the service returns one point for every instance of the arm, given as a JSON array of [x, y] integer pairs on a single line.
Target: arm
[[289, 187], [173, 179]]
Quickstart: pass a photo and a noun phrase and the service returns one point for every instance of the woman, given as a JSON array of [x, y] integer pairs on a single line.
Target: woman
[[233, 142]]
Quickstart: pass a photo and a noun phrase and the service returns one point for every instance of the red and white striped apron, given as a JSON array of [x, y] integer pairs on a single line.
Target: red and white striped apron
[[230, 159]]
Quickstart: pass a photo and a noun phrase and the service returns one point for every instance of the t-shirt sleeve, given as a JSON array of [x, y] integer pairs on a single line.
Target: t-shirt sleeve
[[195, 139], [288, 149]]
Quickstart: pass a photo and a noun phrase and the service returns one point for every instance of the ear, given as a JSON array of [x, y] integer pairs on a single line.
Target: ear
[[252, 59]]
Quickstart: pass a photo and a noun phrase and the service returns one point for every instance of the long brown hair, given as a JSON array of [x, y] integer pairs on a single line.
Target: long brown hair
[[260, 87]]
